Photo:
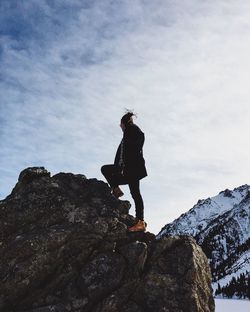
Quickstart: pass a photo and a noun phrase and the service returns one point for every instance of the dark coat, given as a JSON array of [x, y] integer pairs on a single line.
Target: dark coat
[[134, 162]]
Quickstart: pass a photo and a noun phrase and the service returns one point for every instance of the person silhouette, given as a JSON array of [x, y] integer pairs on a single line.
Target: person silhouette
[[129, 167]]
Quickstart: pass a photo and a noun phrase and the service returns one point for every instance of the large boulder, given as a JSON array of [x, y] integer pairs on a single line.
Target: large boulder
[[64, 246]]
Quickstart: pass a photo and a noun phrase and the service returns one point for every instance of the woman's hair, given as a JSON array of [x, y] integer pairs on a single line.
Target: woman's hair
[[127, 118]]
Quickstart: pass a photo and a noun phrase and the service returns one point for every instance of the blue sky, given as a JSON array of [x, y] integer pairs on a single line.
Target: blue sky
[[68, 70]]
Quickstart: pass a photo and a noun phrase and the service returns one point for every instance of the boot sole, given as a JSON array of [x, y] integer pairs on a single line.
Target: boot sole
[[118, 193], [117, 196], [136, 231], [142, 230]]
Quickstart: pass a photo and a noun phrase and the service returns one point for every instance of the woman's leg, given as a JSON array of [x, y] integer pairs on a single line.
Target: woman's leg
[[113, 175], [134, 186]]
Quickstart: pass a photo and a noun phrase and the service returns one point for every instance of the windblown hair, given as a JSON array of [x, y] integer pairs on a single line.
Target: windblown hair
[[127, 118]]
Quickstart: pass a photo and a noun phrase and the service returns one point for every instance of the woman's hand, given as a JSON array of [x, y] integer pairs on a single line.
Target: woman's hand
[[122, 170]]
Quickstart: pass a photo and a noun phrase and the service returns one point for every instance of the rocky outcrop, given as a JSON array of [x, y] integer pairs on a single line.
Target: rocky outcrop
[[65, 247]]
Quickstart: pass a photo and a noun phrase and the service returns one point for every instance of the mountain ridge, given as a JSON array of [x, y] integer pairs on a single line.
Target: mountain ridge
[[221, 226]]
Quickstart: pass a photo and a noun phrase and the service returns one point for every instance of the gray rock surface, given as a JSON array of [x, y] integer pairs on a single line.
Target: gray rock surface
[[64, 246]]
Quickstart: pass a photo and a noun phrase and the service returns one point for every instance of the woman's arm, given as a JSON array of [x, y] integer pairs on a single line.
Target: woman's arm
[[133, 138]]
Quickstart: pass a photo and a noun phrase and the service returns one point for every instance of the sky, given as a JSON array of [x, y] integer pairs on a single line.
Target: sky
[[69, 69]]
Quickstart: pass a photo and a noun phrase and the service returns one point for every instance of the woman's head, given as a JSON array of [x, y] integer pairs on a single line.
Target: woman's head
[[127, 119]]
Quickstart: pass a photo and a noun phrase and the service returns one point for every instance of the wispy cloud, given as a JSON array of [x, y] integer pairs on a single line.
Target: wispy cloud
[[69, 68]]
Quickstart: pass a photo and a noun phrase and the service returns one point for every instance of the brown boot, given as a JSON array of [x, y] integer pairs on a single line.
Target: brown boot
[[117, 192], [139, 226]]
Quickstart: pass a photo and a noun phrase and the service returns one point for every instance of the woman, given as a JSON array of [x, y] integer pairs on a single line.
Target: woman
[[129, 168]]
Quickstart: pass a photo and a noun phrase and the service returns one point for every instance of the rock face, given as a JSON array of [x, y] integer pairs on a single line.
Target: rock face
[[64, 246]]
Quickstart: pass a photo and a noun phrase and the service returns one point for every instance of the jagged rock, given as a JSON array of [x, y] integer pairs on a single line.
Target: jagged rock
[[64, 246]]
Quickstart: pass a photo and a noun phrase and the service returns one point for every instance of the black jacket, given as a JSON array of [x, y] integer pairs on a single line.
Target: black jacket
[[134, 162]]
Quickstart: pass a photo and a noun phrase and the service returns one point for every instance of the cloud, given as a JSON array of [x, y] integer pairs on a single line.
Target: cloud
[[69, 68]]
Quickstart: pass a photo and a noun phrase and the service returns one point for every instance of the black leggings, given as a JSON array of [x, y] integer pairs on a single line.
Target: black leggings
[[115, 178]]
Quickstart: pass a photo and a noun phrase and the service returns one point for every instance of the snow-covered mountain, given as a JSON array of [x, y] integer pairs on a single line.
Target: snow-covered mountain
[[221, 226]]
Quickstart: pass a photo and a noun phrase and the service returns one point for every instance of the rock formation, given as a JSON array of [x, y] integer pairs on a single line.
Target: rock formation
[[64, 246]]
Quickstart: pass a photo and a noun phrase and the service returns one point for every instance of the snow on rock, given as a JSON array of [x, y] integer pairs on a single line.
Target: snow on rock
[[240, 266], [198, 217]]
